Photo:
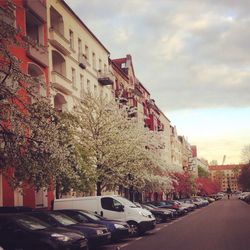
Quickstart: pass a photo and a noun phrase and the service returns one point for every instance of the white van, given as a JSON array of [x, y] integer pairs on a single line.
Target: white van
[[112, 207]]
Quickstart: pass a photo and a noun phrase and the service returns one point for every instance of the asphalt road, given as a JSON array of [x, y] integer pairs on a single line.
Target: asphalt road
[[223, 225]]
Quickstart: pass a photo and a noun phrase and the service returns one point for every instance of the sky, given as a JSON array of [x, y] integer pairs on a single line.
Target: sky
[[193, 56]]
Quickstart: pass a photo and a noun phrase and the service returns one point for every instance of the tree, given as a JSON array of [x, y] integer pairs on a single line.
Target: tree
[[206, 187], [244, 178], [202, 172], [119, 151], [29, 136], [245, 154], [183, 184]]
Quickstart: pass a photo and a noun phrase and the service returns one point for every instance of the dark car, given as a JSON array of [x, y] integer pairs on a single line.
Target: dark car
[[96, 234], [20, 231], [173, 211], [171, 204], [160, 214], [247, 199], [118, 229]]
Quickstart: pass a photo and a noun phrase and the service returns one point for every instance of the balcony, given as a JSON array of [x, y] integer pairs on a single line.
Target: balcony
[[105, 78], [82, 61], [132, 111], [137, 90], [38, 53], [59, 41], [38, 8], [61, 83]]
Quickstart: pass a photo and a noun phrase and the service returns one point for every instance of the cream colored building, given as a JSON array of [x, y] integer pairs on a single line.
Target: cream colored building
[[166, 150], [176, 150], [78, 61]]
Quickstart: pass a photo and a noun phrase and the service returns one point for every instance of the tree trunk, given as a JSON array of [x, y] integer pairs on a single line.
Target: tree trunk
[[98, 188], [58, 194]]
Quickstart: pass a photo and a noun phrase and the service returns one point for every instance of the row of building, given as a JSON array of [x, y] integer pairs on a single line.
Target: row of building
[[64, 53]]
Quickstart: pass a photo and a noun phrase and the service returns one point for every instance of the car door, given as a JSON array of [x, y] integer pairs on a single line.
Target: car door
[[13, 236], [112, 209]]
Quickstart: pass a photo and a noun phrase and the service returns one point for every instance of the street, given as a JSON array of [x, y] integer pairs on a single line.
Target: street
[[223, 225]]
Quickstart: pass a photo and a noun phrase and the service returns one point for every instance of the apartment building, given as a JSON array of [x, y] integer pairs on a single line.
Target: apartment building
[[31, 18], [78, 61], [226, 176], [176, 150]]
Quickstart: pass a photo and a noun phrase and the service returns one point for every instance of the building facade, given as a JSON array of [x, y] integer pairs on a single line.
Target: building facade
[[78, 61], [31, 18], [226, 176]]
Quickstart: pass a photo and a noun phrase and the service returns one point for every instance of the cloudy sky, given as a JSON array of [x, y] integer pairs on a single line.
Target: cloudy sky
[[194, 58]]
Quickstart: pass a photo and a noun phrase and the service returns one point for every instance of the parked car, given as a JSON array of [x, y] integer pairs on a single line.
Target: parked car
[[112, 207], [96, 234], [160, 214], [20, 231], [118, 229], [199, 202], [173, 211], [173, 205], [188, 206], [247, 199], [243, 195]]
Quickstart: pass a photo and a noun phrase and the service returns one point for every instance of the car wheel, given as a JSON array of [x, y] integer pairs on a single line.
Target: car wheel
[[158, 219], [134, 229]]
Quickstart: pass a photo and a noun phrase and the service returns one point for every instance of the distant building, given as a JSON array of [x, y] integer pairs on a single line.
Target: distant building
[[226, 176]]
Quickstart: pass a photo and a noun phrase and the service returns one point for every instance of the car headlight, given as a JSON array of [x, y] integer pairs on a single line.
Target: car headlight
[[119, 226], [60, 237], [166, 212], [99, 232], [143, 214]]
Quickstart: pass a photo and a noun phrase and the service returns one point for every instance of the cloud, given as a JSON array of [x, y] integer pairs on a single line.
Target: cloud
[[188, 54]]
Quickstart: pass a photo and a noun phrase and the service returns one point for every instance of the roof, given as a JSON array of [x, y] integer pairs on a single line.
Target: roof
[[83, 24], [226, 167]]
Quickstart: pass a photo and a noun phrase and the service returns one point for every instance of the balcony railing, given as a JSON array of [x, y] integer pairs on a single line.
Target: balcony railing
[[38, 53], [61, 83], [59, 41], [132, 111], [105, 78], [38, 8]]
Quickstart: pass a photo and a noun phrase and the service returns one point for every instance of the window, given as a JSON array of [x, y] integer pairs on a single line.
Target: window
[[81, 86], [95, 91], [71, 39], [73, 77], [87, 52], [79, 46], [34, 29], [93, 61], [110, 204], [88, 85], [100, 64]]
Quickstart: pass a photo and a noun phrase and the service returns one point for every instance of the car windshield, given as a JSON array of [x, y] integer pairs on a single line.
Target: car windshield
[[63, 219], [126, 202], [91, 216], [32, 223], [147, 207], [152, 206]]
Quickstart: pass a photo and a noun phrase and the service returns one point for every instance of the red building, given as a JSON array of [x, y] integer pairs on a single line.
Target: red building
[[31, 18]]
